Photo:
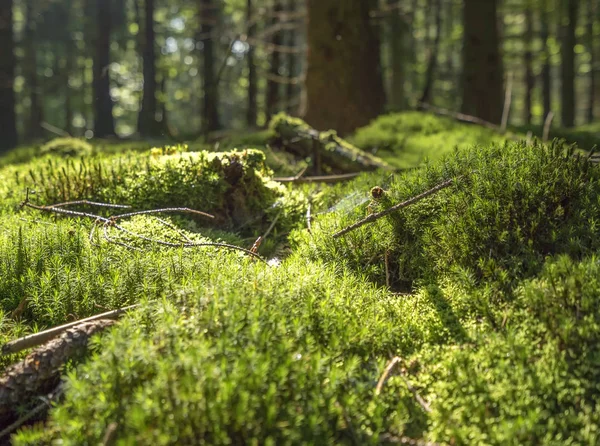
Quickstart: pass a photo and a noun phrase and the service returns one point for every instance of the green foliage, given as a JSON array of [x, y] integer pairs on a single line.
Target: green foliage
[[408, 139], [67, 147], [511, 206]]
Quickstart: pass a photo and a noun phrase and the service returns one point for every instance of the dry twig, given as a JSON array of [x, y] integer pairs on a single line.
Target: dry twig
[[318, 178], [373, 217], [387, 373]]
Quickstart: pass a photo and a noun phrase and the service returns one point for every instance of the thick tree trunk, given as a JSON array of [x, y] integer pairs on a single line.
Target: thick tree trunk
[[569, 40], [33, 128], [343, 80], [397, 32], [208, 21], [273, 85], [546, 68], [483, 73], [433, 58], [147, 124], [528, 62], [104, 124], [592, 17], [8, 120], [251, 111]]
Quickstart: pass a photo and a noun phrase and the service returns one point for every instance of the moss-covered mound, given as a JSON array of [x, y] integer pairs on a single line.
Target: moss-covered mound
[[408, 139], [510, 207]]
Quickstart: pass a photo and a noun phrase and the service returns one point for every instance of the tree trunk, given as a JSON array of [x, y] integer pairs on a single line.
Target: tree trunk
[[397, 32], [483, 75], [8, 120], [546, 68], [569, 40], [528, 62], [208, 21], [273, 85], [433, 58], [343, 80], [33, 128], [251, 112], [592, 17], [104, 124], [147, 124], [291, 91]]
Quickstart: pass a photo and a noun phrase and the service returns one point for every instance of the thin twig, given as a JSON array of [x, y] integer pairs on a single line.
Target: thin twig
[[91, 203], [387, 268], [318, 178], [164, 210], [372, 217], [459, 116], [308, 218], [547, 125], [35, 339], [507, 102], [387, 373], [33, 412]]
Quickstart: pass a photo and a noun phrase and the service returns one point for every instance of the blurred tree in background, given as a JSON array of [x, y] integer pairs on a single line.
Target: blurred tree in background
[[185, 68]]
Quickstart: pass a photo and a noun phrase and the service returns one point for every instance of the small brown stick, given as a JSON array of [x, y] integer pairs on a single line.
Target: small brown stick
[[378, 215], [17, 312], [91, 203], [308, 219], [547, 125], [318, 179], [156, 211], [386, 375], [39, 338], [271, 226]]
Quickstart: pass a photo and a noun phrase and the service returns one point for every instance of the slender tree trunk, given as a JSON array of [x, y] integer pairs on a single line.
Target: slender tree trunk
[[528, 62], [8, 120], [433, 58], [33, 127], [483, 73], [147, 124], [291, 90], [592, 17], [208, 21], [343, 80], [251, 111], [546, 68], [104, 124], [397, 33], [273, 85], [569, 40]]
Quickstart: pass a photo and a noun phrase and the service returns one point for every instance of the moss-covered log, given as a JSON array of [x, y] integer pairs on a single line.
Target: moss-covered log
[[333, 153]]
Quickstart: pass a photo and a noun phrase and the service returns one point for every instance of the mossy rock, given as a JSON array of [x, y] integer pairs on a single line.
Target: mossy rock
[[67, 147]]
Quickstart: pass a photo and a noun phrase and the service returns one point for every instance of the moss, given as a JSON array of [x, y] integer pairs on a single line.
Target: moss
[[67, 147]]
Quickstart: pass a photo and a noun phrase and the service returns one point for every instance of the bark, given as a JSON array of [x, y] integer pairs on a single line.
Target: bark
[[344, 85], [592, 17], [36, 116], [569, 40], [147, 124], [528, 62], [433, 58], [8, 120], [397, 33], [251, 111], [39, 372], [482, 94], [546, 69], [208, 21], [104, 124], [273, 86]]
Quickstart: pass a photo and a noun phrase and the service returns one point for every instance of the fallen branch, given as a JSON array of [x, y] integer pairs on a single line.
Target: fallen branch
[[318, 179], [35, 339], [40, 370], [507, 103], [373, 217], [547, 125], [459, 116]]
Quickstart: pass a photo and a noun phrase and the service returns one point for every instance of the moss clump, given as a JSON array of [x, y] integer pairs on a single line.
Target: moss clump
[[512, 206], [67, 147], [408, 139]]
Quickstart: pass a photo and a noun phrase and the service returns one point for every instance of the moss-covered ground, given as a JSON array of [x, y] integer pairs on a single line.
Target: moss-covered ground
[[483, 299]]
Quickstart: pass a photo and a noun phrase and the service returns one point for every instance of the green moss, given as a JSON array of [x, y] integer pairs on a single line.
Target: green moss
[[67, 147]]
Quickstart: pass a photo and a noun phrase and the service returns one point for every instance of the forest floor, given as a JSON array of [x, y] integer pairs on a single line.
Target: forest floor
[[469, 315]]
